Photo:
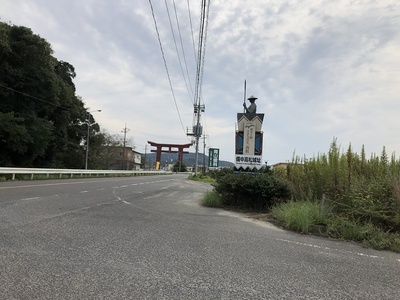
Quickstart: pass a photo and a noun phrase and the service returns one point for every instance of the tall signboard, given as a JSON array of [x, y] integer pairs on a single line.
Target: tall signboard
[[249, 138], [213, 158]]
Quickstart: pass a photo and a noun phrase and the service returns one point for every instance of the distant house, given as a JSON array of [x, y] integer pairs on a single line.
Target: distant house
[[121, 158]]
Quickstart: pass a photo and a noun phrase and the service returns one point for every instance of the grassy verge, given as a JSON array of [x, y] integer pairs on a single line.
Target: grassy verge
[[212, 199], [348, 196], [300, 216], [202, 178], [308, 217]]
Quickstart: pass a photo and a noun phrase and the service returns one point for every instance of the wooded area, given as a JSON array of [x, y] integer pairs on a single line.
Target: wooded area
[[43, 123]]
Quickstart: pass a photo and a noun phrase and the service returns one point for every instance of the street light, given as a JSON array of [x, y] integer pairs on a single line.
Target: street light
[[87, 139]]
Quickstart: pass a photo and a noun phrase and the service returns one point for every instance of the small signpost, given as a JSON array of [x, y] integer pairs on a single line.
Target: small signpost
[[213, 158]]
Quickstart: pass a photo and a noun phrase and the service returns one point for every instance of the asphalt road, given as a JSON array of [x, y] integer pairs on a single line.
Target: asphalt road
[[148, 238]]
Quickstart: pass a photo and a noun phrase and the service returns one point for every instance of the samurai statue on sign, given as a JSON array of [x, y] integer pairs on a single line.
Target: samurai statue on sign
[[252, 109]]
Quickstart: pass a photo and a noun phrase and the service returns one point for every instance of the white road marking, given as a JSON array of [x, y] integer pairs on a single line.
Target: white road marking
[[371, 256], [126, 202], [84, 192], [119, 198], [28, 199], [328, 248]]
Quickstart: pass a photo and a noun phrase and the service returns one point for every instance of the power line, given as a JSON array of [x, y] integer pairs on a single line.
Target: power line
[[165, 64], [198, 61], [176, 47], [33, 97], [205, 125], [204, 48], [191, 30], [183, 49], [201, 47]]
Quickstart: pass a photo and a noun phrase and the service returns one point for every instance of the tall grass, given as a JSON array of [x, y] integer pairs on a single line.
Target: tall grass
[[300, 216], [363, 190], [212, 199]]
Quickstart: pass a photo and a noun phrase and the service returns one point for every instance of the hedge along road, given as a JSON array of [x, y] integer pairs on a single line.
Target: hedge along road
[[149, 238]]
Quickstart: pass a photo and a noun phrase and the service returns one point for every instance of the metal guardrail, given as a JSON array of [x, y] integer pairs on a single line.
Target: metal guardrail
[[74, 172]]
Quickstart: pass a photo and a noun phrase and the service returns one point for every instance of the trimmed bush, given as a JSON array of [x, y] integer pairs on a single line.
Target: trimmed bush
[[259, 191]]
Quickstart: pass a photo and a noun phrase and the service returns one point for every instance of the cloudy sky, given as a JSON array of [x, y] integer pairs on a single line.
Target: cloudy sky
[[321, 69]]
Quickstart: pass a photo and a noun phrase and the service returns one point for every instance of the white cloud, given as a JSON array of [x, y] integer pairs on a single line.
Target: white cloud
[[319, 68]]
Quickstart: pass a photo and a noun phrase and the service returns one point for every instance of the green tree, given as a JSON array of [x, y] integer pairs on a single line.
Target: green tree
[[179, 167], [104, 150], [42, 121]]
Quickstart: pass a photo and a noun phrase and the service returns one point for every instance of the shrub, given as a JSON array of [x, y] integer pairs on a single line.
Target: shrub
[[379, 240], [258, 191], [342, 227], [179, 167], [219, 173]]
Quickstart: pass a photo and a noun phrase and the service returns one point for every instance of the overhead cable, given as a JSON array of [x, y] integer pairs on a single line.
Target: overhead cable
[[36, 98], [165, 64], [183, 48], [191, 30], [176, 47]]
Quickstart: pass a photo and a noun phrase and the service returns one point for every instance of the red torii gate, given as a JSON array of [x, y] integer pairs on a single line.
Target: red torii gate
[[160, 150]]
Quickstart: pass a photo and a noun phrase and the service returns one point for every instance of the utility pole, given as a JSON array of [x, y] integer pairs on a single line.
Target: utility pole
[[125, 130], [198, 108], [197, 132], [145, 153], [204, 154]]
